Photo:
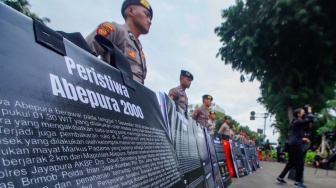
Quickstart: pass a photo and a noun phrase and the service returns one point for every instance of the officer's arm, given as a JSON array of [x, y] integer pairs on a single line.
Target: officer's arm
[[173, 93], [220, 131], [105, 29], [196, 113]]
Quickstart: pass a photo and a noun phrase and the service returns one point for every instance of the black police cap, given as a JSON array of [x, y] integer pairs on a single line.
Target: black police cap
[[187, 74], [142, 3], [207, 97]]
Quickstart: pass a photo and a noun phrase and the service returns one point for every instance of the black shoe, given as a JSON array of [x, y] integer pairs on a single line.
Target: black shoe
[[301, 185], [280, 181]]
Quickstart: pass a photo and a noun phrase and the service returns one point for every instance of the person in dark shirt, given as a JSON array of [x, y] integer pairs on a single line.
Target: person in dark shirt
[[325, 163], [295, 153], [267, 148], [279, 152], [306, 141]]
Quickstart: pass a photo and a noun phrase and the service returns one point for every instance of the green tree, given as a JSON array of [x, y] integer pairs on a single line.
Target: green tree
[[287, 45], [23, 6], [327, 119]]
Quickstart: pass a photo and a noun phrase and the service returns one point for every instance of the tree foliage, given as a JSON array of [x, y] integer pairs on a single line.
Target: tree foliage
[[23, 6], [287, 45], [328, 118]]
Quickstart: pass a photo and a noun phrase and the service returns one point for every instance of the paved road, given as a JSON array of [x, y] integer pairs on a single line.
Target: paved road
[[265, 177]]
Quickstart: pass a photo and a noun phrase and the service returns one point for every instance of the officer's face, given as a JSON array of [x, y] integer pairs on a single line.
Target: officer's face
[[234, 129], [186, 82], [207, 102], [212, 116], [142, 19]]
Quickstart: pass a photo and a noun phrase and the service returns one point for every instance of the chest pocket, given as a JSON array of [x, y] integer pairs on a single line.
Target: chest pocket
[[131, 52], [134, 58], [181, 97]]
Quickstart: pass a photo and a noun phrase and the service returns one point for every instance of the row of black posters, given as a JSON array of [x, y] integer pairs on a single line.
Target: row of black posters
[[68, 119], [200, 163], [244, 158]]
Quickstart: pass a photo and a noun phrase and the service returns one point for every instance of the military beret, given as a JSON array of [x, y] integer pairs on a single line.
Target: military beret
[[207, 97], [187, 74], [212, 112], [142, 3]]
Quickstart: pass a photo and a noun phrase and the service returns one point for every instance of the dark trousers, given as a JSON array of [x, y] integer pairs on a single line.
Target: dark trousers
[[279, 157], [225, 137], [292, 172], [295, 156]]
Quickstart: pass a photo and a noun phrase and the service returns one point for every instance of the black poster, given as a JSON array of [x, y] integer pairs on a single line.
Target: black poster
[[69, 121], [238, 159], [186, 148], [171, 117], [203, 153], [254, 155], [246, 158], [222, 162], [213, 159]]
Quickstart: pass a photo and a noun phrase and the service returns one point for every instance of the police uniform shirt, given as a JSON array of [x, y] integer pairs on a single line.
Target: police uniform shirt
[[232, 134], [201, 115], [179, 97], [213, 124], [224, 130], [122, 37]]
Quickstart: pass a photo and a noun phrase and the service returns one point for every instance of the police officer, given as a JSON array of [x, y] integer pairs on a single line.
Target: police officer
[[212, 123], [138, 15], [201, 114], [178, 94], [224, 130], [233, 132]]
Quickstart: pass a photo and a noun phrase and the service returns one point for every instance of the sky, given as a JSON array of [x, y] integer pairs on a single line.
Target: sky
[[181, 37]]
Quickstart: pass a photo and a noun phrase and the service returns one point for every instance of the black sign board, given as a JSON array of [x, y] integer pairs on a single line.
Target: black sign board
[[245, 156], [250, 155], [203, 153], [185, 145], [213, 159], [222, 162], [254, 154], [239, 160], [69, 121]]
